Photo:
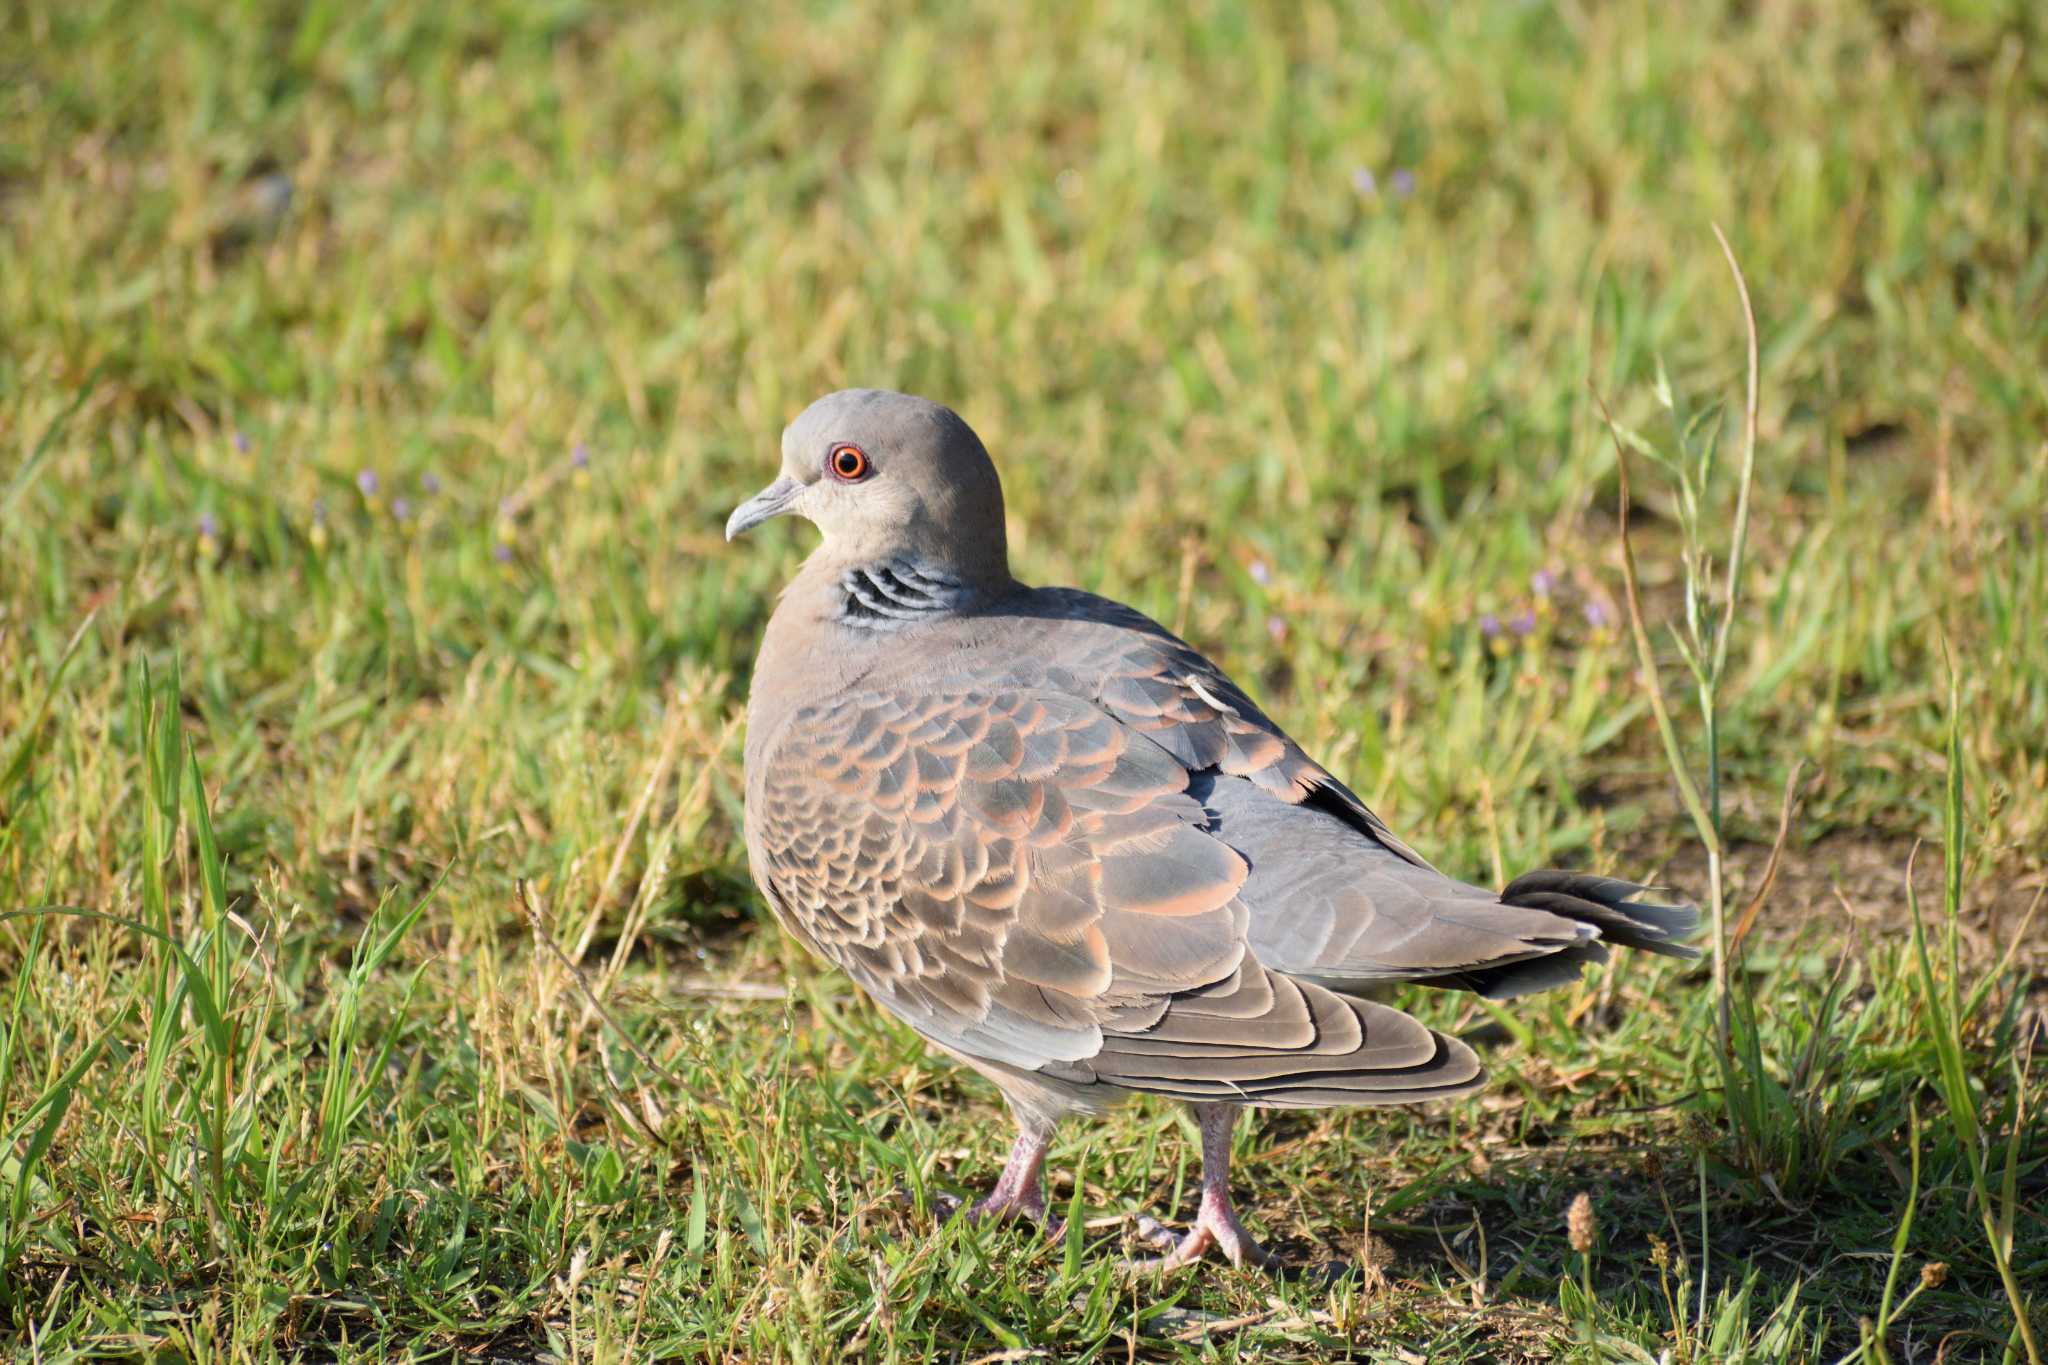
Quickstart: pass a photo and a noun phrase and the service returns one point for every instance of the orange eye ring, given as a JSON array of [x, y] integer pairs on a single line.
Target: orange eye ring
[[849, 463]]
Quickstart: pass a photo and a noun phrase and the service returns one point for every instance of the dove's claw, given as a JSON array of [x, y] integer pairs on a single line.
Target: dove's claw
[[1019, 1194], [1216, 1222], [1025, 1206], [1215, 1226], [1151, 1230]]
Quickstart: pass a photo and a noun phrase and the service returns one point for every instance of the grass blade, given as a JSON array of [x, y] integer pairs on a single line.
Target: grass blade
[[26, 475]]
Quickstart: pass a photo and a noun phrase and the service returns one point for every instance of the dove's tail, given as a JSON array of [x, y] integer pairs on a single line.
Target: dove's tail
[[1600, 903], [1606, 904]]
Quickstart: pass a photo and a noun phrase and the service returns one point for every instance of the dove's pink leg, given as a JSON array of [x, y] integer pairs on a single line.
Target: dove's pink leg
[[1216, 1222], [1020, 1189]]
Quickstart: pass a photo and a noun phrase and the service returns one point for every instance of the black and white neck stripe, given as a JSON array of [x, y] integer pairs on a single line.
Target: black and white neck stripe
[[887, 595]]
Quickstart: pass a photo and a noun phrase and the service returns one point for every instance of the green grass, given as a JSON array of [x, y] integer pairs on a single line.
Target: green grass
[[293, 1079]]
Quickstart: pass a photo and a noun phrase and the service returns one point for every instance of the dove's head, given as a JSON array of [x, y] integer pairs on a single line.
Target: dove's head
[[888, 476]]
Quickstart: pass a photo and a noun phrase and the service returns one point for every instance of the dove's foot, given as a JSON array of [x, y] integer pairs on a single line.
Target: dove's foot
[[1216, 1222], [1028, 1207], [1216, 1227], [1019, 1195]]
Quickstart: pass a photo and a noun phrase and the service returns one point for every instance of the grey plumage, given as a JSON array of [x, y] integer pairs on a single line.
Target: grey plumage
[[1065, 847]]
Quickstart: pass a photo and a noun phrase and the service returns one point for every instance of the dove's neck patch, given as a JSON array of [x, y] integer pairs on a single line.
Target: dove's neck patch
[[887, 594]]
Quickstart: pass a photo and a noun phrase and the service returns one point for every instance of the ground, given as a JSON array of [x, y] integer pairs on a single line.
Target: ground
[[374, 382]]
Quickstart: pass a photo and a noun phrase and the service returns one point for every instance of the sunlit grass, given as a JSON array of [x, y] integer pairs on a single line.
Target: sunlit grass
[[374, 382]]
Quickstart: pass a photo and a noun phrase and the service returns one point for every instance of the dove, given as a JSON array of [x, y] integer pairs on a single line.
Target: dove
[[1066, 849]]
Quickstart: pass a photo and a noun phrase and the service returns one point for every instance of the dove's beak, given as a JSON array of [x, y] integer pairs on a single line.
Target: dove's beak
[[774, 500]]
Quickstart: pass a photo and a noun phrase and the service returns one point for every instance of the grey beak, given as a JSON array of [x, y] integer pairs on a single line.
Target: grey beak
[[772, 501]]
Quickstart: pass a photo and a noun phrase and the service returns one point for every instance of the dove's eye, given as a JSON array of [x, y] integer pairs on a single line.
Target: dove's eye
[[849, 463]]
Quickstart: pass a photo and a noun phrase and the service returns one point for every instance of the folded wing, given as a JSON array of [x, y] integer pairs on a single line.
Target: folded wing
[[1027, 880]]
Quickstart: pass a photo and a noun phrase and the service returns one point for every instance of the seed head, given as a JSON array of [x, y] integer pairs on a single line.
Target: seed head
[[1933, 1274], [579, 1261], [1579, 1223]]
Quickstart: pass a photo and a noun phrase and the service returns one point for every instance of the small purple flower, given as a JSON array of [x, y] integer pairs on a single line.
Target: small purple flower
[[1362, 180], [402, 508], [209, 527], [1402, 183], [366, 483], [579, 458], [1489, 625], [1523, 622], [1261, 575], [273, 193], [1276, 628], [1597, 615], [241, 443], [502, 552], [319, 511], [1542, 582], [430, 483]]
